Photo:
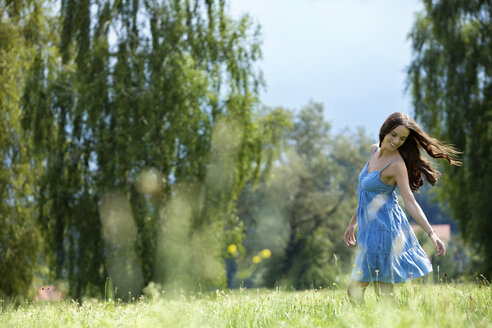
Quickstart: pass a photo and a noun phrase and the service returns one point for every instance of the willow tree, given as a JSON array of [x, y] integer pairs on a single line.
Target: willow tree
[[144, 91], [24, 27], [450, 79]]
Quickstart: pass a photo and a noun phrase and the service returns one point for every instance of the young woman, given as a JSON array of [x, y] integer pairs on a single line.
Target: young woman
[[389, 252]]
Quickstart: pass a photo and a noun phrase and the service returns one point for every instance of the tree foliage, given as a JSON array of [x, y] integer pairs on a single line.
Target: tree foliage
[[159, 92], [24, 27], [301, 209], [450, 79]]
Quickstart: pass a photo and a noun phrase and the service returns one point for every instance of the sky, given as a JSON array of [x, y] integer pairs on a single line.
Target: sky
[[350, 55]]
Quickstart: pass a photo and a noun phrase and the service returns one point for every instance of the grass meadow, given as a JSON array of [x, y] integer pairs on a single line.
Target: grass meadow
[[445, 305]]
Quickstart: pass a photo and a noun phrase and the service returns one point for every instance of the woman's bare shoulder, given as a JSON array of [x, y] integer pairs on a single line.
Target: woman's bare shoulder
[[398, 165], [374, 147]]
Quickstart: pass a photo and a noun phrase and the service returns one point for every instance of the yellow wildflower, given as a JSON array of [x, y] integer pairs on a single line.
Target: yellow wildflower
[[232, 249], [256, 259], [266, 253]]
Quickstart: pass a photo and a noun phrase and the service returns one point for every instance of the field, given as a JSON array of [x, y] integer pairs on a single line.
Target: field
[[412, 306]]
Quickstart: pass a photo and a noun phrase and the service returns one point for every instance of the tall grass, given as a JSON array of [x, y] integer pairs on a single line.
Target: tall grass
[[412, 306]]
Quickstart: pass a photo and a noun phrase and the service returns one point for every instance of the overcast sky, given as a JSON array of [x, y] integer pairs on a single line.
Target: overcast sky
[[350, 55]]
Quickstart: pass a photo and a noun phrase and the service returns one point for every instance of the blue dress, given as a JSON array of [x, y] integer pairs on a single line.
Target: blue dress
[[388, 249]]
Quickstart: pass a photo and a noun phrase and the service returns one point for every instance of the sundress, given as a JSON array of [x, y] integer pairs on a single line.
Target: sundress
[[388, 249]]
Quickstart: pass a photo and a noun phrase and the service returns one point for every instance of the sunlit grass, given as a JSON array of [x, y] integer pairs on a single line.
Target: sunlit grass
[[412, 306]]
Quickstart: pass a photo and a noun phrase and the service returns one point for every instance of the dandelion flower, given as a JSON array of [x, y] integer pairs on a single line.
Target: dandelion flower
[[232, 249], [256, 259], [266, 253]]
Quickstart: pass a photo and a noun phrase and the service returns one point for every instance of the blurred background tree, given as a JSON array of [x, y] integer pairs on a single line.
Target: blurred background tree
[[301, 209], [24, 28], [450, 79], [142, 87]]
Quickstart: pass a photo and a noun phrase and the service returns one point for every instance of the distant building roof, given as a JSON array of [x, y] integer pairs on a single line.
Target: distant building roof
[[443, 231]]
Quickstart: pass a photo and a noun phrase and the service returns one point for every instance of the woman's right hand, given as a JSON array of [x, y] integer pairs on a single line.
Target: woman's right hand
[[440, 247], [350, 236]]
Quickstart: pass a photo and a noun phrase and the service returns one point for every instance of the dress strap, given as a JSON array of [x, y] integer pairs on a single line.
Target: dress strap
[[375, 150], [396, 159]]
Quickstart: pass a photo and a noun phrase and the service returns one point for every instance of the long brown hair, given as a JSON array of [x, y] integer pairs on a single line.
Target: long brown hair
[[417, 165]]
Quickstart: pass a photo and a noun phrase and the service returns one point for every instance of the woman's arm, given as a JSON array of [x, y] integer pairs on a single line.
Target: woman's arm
[[350, 232], [413, 208]]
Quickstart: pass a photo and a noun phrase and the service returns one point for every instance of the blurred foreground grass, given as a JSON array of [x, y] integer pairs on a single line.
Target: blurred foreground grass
[[413, 306]]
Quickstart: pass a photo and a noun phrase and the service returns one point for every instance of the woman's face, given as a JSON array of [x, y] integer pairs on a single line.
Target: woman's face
[[396, 137]]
